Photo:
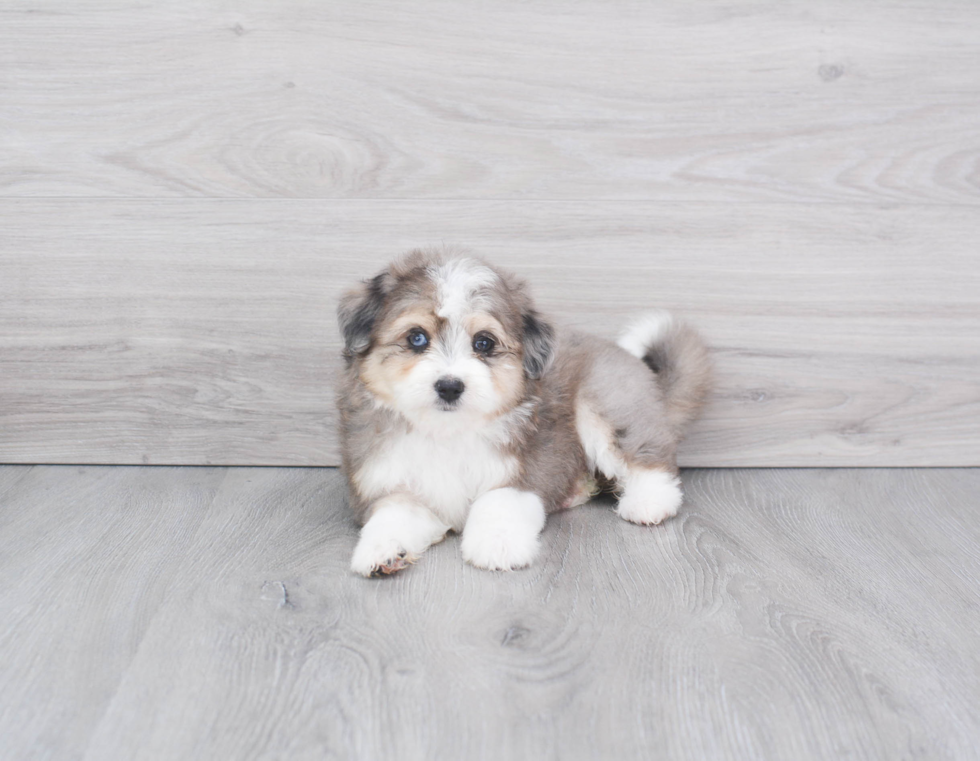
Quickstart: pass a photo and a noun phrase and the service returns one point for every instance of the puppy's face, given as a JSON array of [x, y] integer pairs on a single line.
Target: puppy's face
[[447, 342]]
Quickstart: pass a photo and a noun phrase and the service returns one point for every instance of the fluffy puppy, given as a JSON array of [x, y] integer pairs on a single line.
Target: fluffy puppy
[[462, 409]]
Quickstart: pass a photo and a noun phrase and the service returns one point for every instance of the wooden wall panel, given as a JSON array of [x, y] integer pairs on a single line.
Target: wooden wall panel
[[178, 331], [185, 187], [772, 101]]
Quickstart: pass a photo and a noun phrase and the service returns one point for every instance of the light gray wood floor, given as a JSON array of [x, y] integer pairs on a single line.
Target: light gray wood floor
[[184, 613]]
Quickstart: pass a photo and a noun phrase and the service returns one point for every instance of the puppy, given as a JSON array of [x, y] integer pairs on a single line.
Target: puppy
[[462, 409]]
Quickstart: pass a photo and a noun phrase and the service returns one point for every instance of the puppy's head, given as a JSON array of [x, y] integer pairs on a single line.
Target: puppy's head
[[446, 340]]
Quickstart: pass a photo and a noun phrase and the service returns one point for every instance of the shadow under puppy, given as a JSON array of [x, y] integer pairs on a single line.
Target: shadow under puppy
[[462, 409]]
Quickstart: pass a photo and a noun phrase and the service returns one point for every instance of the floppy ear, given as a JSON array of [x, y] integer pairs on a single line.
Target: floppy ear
[[357, 311], [539, 344]]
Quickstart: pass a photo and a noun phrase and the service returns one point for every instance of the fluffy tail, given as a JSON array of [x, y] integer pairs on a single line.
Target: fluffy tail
[[676, 353]]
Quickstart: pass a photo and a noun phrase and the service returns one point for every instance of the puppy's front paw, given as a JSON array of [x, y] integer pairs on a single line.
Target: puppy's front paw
[[501, 548], [502, 530], [380, 557], [650, 497], [394, 537]]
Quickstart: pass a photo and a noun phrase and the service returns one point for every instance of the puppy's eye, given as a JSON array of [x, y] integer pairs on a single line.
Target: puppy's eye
[[483, 343], [418, 340]]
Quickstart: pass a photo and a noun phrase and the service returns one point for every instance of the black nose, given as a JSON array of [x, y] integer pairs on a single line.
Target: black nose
[[449, 389]]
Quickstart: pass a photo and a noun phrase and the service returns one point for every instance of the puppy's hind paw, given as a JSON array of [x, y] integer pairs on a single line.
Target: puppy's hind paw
[[650, 497]]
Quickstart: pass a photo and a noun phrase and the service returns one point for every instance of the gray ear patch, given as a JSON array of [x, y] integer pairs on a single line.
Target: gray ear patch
[[539, 345], [358, 311]]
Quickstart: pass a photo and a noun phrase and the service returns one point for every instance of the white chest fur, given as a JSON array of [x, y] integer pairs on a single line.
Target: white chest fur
[[446, 473]]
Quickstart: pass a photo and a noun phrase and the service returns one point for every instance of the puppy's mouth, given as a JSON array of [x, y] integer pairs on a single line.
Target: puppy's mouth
[[445, 406]]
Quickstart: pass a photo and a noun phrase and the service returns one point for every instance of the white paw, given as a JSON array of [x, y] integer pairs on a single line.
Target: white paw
[[501, 548], [380, 556], [394, 537], [501, 532], [650, 497]]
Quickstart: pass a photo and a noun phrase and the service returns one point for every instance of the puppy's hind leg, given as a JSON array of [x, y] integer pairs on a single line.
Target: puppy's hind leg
[[648, 488], [397, 533]]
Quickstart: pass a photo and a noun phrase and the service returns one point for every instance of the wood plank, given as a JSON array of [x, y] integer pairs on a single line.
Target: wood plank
[[831, 101], [194, 332], [86, 555], [804, 614]]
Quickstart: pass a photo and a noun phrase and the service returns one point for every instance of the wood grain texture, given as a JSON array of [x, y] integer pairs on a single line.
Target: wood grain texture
[[734, 101], [185, 188], [209, 613], [172, 332], [85, 559]]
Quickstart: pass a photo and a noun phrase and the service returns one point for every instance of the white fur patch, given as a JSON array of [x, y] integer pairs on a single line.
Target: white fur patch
[[599, 442], [644, 332], [460, 282], [446, 473], [502, 530], [397, 533], [649, 496]]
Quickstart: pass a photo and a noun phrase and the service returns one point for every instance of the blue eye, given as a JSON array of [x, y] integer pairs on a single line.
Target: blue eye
[[483, 343], [418, 340]]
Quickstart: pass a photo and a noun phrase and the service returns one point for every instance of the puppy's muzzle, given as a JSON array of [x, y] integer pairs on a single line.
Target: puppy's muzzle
[[449, 389]]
